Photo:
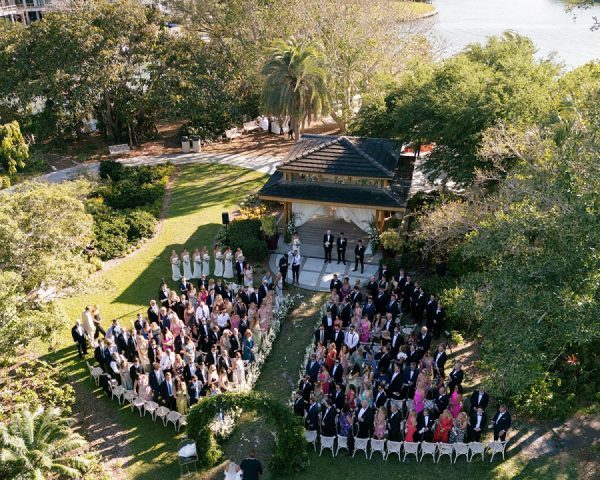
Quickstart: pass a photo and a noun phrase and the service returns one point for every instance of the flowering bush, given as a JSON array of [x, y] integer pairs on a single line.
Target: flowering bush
[[391, 241]]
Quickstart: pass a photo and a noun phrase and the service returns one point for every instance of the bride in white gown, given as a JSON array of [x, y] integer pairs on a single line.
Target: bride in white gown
[[228, 271], [187, 264], [232, 472], [197, 258], [175, 266]]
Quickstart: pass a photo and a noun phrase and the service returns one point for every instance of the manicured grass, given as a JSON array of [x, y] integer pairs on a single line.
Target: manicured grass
[[414, 9]]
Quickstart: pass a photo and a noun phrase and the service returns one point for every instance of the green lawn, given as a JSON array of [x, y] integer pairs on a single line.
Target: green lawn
[[411, 9], [199, 195]]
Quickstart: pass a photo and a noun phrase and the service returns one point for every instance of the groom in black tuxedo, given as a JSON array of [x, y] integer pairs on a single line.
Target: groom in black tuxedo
[[328, 241], [341, 248]]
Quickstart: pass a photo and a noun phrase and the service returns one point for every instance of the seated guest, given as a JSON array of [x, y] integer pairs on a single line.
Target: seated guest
[[476, 425], [502, 423]]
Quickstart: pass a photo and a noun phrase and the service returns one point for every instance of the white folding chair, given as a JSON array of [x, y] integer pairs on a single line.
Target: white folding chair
[[445, 449], [327, 442], [342, 442], [460, 449], [428, 448], [410, 448], [476, 448], [360, 444], [393, 447], [95, 373], [162, 412], [172, 417], [139, 404], [311, 437], [129, 396], [151, 407], [497, 447], [377, 446], [116, 391], [182, 422]]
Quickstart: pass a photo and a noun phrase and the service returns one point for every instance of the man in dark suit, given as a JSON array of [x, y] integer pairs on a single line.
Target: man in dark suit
[[380, 396], [202, 282], [395, 387], [425, 426], [262, 291], [126, 344], [312, 416], [328, 241], [78, 334], [337, 337], [337, 371], [212, 358], [356, 296], [306, 387], [384, 273], [502, 423], [168, 392], [476, 425], [240, 266], [341, 248], [393, 424], [283, 267], [364, 418], [321, 335], [479, 399], [194, 390], [337, 397], [393, 307], [370, 309], [225, 364], [299, 404], [396, 342], [312, 368], [251, 467], [384, 360], [424, 340], [441, 402], [102, 355], [372, 287], [135, 370], [210, 300], [381, 301], [389, 324], [184, 286], [327, 322], [419, 304], [456, 376], [335, 283], [359, 257], [439, 360], [163, 294], [328, 427], [189, 371], [438, 321], [409, 379], [430, 310], [155, 380], [153, 312], [254, 297], [345, 312]]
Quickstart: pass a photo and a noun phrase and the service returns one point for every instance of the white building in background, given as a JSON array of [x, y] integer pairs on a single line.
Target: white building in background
[[23, 11]]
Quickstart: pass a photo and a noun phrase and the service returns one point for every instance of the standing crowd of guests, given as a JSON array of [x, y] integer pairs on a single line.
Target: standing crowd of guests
[[195, 340], [370, 377]]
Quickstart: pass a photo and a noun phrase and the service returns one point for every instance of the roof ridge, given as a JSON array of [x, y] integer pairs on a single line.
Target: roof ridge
[[314, 149], [365, 155]]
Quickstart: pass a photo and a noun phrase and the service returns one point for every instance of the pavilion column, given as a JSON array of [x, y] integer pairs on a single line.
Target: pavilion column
[[287, 212]]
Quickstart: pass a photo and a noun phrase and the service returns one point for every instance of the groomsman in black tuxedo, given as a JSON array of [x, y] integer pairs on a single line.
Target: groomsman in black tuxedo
[[240, 266], [283, 267], [439, 360], [479, 399], [425, 426], [359, 256], [438, 321], [502, 423], [477, 421], [430, 310], [328, 241], [163, 294], [341, 248], [328, 428], [78, 334]]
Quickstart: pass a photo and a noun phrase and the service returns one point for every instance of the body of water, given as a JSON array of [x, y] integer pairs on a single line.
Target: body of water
[[552, 29]]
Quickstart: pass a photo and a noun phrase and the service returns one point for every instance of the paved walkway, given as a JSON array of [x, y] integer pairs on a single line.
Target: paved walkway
[[264, 164], [315, 274]]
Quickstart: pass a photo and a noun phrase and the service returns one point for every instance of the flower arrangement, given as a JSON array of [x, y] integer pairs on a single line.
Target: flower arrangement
[[290, 227], [391, 241], [374, 233]]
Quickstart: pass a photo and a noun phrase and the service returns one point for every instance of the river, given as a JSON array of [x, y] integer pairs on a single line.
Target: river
[[552, 29]]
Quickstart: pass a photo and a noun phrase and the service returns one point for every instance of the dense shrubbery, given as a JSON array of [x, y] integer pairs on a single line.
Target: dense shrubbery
[[126, 205], [247, 235]]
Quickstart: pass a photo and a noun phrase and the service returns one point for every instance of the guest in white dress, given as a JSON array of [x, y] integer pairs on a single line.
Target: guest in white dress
[[248, 276], [205, 262], [175, 266], [218, 262], [279, 286], [296, 242], [228, 270], [197, 273], [187, 264]]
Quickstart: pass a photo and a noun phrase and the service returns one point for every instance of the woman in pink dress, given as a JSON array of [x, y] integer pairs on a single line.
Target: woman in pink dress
[[419, 400], [177, 327], [324, 379], [346, 288], [365, 330], [380, 421], [455, 403], [168, 340], [344, 355]]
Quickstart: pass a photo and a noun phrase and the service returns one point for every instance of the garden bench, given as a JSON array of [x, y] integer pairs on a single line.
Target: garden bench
[[251, 126], [232, 133], [118, 149]]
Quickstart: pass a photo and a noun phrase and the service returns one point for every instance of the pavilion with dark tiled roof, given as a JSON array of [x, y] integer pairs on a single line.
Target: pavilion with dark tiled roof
[[366, 176]]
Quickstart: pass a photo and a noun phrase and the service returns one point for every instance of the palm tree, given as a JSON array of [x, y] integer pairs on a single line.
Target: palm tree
[[295, 81], [41, 444]]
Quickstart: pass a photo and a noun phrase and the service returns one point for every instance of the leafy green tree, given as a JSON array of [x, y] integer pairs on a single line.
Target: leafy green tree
[[454, 103], [295, 82], [14, 150], [40, 444]]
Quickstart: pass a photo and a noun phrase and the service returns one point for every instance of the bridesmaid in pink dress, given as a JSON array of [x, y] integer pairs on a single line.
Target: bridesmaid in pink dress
[[455, 403], [419, 400], [380, 422], [365, 328]]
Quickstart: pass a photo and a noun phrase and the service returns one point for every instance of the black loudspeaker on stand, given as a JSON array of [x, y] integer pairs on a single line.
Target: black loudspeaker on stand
[[225, 218]]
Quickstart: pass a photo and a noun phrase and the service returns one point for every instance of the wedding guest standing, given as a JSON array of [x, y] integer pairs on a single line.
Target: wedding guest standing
[[187, 264], [328, 241], [296, 242], [197, 263], [218, 262], [78, 334], [283, 265], [296, 260], [205, 262], [341, 248], [175, 266], [502, 423], [251, 467], [240, 271], [228, 264], [359, 257]]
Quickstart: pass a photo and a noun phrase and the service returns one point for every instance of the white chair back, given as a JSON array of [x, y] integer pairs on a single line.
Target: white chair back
[[497, 447], [311, 437], [360, 444], [342, 442], [428, 448], [476, 448], [460, 449], [377, 446], [393, 447], [411, 448], [327, 442], [445, 449]]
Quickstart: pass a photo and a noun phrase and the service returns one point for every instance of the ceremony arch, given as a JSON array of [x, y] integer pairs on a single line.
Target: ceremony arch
[[289, 455]]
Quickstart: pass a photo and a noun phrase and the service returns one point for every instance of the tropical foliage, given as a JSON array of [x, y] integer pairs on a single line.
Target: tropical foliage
[[14, 150], [41, 444]]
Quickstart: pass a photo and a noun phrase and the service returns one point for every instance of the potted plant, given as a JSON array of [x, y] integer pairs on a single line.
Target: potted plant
[[391, 243], [268, 225]]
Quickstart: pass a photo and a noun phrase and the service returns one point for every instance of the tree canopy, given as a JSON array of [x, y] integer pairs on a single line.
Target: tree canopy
[[14, 150]]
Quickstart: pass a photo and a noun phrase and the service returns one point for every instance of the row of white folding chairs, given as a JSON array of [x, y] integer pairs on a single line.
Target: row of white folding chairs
[[387, 447]]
